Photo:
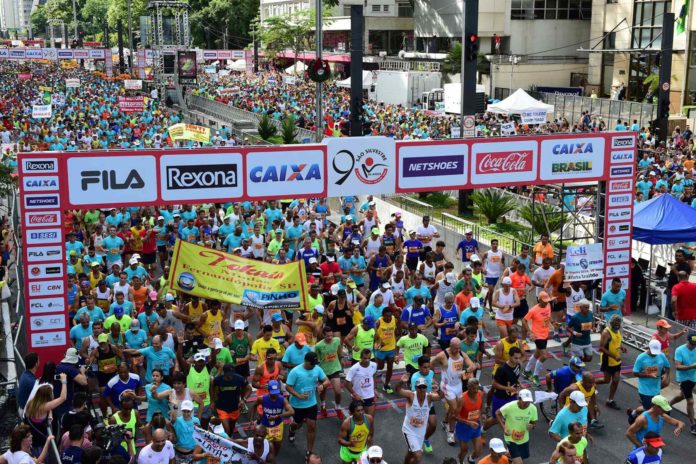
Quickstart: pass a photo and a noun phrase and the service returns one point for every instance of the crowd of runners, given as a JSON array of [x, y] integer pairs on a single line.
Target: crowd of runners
[[388, 317]]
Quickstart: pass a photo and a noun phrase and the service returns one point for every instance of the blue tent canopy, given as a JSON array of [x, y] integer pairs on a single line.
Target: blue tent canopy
[[664, 220]]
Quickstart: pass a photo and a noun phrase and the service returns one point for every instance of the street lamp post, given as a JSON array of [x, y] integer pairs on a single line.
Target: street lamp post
[[514, 59], [319, 96]]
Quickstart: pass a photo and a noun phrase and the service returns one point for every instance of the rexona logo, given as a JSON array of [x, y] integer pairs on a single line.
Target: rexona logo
[[285, 173], [110, 181], [623, 142], [203, 176], [572, 148], [500, 162], [40, 165]]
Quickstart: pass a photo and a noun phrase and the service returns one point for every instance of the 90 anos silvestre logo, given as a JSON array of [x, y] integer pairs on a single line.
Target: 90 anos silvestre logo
[[370, 166]]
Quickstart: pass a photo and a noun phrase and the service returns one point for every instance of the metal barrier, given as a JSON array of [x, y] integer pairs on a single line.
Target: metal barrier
[[484, 235], [231, 114], [411, 205]]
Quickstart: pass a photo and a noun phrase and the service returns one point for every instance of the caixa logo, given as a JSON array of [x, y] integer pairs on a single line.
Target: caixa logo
[[38, 183], [285, 173], [108, 180], [572, 149]]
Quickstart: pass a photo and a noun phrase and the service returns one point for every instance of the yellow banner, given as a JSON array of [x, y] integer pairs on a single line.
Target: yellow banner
[[43, 88], [183, 131], [217, 275]]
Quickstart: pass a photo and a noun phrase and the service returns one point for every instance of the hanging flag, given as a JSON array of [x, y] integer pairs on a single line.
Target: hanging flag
[[681, 19]]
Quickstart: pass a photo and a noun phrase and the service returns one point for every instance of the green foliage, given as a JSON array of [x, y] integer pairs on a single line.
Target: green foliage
[[211, 18], [118, 9], [652, 81], [453, 62], [437, 199], [94, 13], [543, 218], [288, 129], [8, 183], [39, 19], [266, 128], [294, 31], [492, 204]]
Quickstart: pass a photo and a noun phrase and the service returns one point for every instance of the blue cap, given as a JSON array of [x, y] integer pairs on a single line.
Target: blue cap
[[274, 387], [369, 321], [118, 310], [577, 362], [277, 317]]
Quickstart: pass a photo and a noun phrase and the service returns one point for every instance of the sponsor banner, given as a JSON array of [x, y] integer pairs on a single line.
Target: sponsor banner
[[619, 228], [45, 253], [46, 287], [624, 284], [271, 173], [534, 117], [41, 271], [109, 63], [249, 61], [201, 177], [584, 262], [183, 131], [623, 141], [49, 339], [17, 54], [617, 270], [43, 236], [572, 158], [47, 322], [239, 54], [620, 185], [40, 183], [508, 128], [34, 54], [361, 166], [618, 214], [504, 162], [133, 84], [49, 54], [72, 83], [46, 305], [422, 164], [218, 448], [620, 256], [210, 69], [225, 54], [4, 53], [39, 165], [214, 274], [65, 54], [58, 99], [96, 54], [81, 54], [186, 67], [619, 157], [41, 111], [24, 76], [623, 199], [42, 219], [36, 201], [131, 104], [621, 171], [110, 179], [210, 55], [618, 242]]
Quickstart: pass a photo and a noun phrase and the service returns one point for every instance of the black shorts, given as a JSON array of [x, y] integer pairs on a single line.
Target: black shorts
[[604, 367], [149, 258], [558, 306], [161, 248], [518, 451], [412, 264], [243, 370], [522, 310], [367, 402], [103, 378], [687, 389], [302, 414], [540, 344], [335, 375]]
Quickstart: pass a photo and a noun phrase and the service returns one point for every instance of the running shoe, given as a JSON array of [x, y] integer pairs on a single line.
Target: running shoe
[[445, 426], [243, 408], [339, 414], [470, 459], [595, 424], [388, 389], [557, 338], [612, 404], [631, 416], [427, 447], [693, 429], [322, 411], [291, 436], [565, 351], [450, 438]]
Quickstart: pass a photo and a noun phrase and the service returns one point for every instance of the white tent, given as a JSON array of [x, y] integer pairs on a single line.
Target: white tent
[[298, 68], [239, 65], [518, 103], [366, 81]]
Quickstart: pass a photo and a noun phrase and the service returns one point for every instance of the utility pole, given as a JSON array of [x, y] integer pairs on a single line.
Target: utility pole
[[130, 40], [665, 76], [318, 97], [224, 36], [463, 72], [356, 66], [74, 12]]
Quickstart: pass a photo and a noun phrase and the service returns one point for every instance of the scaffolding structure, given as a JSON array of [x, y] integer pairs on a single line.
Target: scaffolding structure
[[53, 24], [177, 15]]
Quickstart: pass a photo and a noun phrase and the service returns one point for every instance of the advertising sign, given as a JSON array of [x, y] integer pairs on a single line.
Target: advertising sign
[[186, 67], [572, 158], [131, 104], [72, 83], [503, 162], [201, 177], [361, 164], [41, 111], [221, 449], [133, 84], [209, 273], [421, 165], [584, 262], [279, 174], [534, 117], [192, 132]]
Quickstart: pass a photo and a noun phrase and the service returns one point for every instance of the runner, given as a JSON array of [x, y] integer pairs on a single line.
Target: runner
[[469, 416], [385, 346], [356, 433], [517, 418], [685, 365], [274, 409], [540, 330], [329, 350], [418, 405], [360, 382]]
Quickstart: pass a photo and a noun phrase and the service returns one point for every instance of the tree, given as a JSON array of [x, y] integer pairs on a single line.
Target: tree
[[544, 218], [293, 31], [211, 19], [288, 129], [453, 62], [39, 20], [492, 204], [266, 128], [94, 13], [8, 181]]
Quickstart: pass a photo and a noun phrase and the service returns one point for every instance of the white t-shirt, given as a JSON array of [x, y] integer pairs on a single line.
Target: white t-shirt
[[148, 456], [363, 379], [387, 297], [494, 264], [18, 457], [426, 233], [541, 275]]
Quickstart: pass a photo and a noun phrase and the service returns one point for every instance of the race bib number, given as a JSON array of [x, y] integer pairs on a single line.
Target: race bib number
[[474, 415], [417, 422], [275, 433], [651, 370], [517, 435], [494, 259], [258, 246], [330, 357], [340, 320], [457, 365], [114, 251], [586, 326]]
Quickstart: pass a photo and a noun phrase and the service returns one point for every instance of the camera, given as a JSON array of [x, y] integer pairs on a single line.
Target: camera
[[114, 435]]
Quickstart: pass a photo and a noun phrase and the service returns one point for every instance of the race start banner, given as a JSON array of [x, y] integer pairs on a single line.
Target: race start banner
[[192, 132], [210, 273], [584, 262], [131, 104]]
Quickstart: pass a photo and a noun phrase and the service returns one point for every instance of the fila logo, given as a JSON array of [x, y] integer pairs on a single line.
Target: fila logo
[[109, 181]]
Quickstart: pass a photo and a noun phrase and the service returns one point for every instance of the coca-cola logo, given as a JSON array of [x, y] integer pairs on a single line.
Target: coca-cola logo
[[50, 218], [504, 161]]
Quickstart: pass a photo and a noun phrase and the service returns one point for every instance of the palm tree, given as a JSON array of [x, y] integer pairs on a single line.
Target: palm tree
[[492, 204], [266, 129], [543, 218]]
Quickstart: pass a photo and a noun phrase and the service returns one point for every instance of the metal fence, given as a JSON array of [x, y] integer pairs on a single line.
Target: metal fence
[[411, 205], [484, 235], [234, 115]]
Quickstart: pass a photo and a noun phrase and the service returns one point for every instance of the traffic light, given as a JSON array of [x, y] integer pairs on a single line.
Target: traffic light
[[472, 47]]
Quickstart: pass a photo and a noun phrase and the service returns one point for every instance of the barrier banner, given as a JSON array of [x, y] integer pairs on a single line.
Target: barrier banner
[[584, 262], [41, 111], [214, 274], [534, 117], [131, 104], [72, 83], [222, 449], [24, 76], [133, 84], [183, 131]]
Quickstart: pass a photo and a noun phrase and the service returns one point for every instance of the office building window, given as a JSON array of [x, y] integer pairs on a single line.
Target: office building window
[[404, 10], [385, 8], [647, 23], [375, 8], [551, 9]]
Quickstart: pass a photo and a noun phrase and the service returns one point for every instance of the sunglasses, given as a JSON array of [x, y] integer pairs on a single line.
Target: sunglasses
[[376, 460]]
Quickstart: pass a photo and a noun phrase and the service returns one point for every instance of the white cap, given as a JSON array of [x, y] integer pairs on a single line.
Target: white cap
[[497, 445], [334, 289], [239, 324], [136, 256], [217, 343], [475, 302], [507, 281], [374, 452], [386, 285], [655, 347], [319, 309], [160, 218], [652, 173], [199, 356], [450, 277], [475, 258], [187, 405], [133, 261], [526, 395], [468, 231], [312, 260], [579, 398]]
